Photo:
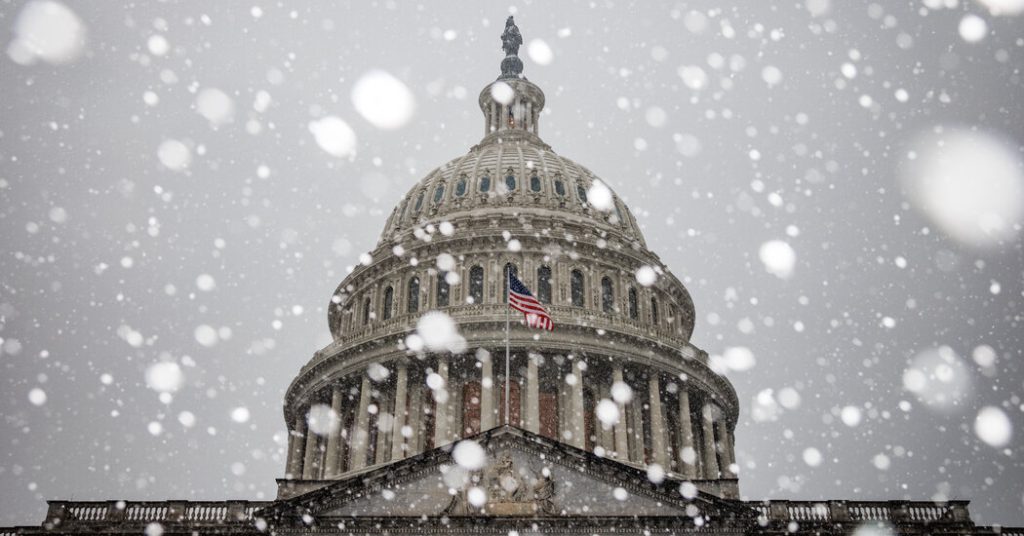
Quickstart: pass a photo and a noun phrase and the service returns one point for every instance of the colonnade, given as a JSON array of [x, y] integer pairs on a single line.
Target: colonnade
[[425, 404]]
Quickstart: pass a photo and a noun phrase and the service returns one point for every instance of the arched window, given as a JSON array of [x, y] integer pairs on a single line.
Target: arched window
[[389, 300], [366, 311], [438, 193], [460, 187], [413, 298], [534, 183], [476, 284], [442, 290], [509, 268], [654, 311], [419, 203], [544, 284], [485, 183], [559, 188], [634, 306], [510, 180], [576, 284], [581, 192], [607, 295]]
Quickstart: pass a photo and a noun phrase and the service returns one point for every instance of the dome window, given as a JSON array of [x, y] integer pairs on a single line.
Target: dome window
[[581, 193], [544, 284], [607, 295], [534, 183], [509, 268], [634, 309], [438, 193], [654, 311], [476, 284], [419, 204], [576, 286], [413, 304], [460, 187], [443, 290], [485, 184], [559, 188], [510, 181], [366, 311], [389, 299]]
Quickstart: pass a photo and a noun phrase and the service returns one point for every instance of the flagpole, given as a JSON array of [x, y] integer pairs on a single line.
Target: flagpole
[[508, 292]]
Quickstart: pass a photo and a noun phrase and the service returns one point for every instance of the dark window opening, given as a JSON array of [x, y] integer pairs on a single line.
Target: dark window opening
[[544, 284], [413, 298], [476, 284], [443, 290], [607, 295], [509, 268], [534, 183], [389, 299], [576, 284]]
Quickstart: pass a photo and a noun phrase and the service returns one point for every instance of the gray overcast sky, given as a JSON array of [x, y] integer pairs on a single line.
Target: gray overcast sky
[[724, 125]]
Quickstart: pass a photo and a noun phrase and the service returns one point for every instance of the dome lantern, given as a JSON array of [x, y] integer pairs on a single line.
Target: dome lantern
[[511, 104]]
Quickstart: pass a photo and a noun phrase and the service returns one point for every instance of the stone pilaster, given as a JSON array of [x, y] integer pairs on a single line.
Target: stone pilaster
[[334, 438]]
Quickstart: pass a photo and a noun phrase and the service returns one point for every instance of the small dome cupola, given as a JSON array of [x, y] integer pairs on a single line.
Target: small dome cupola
[[511, 104]]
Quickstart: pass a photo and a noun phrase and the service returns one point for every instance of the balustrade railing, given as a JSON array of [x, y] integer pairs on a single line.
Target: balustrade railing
[[145, 512], [779, 511]]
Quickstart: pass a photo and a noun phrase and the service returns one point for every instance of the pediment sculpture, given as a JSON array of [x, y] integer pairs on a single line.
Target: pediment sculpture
[[503, 489]]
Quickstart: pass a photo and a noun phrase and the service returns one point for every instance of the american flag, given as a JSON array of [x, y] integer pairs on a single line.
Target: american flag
[[520, 299]]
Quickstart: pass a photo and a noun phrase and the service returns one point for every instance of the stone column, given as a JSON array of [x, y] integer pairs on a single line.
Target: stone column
[[637, 455], [416, 404], [606, 435], [455, 407], [441, 408], [621, 439], [382, 452], [532, 395], [710, 456], [361, 434], [311, 459], [401, 386], [334, 438], [577, 418], [296, 447], [487, 412], [686, 445], [725, 447], [658, 449]]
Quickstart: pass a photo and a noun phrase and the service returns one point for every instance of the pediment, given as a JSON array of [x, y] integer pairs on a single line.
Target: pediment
[[524, 475]]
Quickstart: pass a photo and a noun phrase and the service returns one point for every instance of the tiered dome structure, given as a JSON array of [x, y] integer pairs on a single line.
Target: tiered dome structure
[[511, 203]]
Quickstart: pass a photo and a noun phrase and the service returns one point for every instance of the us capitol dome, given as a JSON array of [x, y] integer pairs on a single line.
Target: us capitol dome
[[513, 204], [613, 423]]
